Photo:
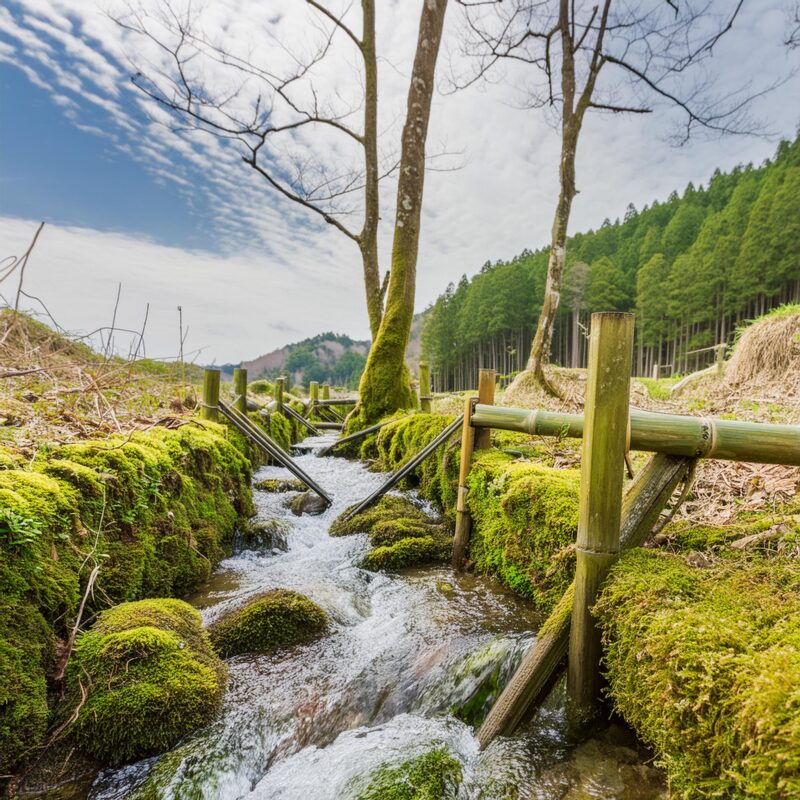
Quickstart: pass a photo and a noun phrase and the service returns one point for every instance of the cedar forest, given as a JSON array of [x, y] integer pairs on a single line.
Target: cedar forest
[[691, 268]]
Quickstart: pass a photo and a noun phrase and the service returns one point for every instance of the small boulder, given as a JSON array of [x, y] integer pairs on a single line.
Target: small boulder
[[308, 503], [279, 485], [262, 536], [270, 620]]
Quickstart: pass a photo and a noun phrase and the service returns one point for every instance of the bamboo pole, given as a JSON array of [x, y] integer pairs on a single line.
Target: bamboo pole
[[600, 504], [240, 389], [694, 437], [210, 406], [463, 518], [424, 387], [313, 392], [642, 506], [326, 391], [279, 385], [486, 383]]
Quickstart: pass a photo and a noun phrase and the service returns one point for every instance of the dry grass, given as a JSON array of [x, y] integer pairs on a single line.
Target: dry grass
[[54, 389]]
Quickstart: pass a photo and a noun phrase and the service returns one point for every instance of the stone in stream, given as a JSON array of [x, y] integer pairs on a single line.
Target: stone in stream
[[307, 503], [279, 485], [262, 536]]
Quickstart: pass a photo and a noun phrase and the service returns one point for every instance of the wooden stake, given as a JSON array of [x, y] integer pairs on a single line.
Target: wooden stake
[[720, 359], [279, 382], [240, 389], [424, 387], [326, 391], [487, 379], [602, 463], [646, 498], [210, 408], [463, 518], [313, 392]]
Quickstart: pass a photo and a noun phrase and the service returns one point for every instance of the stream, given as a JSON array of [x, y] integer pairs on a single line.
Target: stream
[[311, 722]]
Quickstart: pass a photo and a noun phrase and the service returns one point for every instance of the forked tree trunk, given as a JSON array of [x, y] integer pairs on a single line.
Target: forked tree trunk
[[385, 385]]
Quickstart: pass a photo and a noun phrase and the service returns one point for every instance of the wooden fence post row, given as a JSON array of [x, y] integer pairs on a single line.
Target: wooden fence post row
[[279, 384]]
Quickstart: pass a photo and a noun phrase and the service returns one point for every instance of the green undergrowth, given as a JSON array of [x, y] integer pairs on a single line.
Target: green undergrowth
[[154, 511], [143, 677], [432, 776], [401, 534], [525, 518], [274, 619], [704, 662]]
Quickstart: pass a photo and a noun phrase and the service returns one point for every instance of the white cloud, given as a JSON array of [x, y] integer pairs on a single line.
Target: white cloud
[[500, 202]]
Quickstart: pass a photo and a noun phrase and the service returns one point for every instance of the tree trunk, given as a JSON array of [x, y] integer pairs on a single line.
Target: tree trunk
[[368, 238], [385, 383]]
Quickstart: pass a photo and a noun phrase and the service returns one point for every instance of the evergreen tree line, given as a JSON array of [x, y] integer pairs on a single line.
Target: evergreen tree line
[[692, 269]]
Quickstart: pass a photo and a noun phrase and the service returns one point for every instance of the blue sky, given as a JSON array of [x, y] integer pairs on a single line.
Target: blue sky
[[178, 220]]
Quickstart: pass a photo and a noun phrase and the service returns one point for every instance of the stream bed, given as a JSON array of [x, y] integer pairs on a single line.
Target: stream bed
[[311, 722]]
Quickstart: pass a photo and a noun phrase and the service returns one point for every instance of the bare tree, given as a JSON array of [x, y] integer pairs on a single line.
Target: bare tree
[[615, 57], [268, 106], [792, 40], [385, 386]]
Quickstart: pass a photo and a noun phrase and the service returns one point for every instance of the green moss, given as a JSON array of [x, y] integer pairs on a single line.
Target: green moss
[[705, 664], [431, 776], [151, 678], [409, 553], [388, 509], [276, 618], [26, 656], [525, 519], [279, 485], [261, 386]]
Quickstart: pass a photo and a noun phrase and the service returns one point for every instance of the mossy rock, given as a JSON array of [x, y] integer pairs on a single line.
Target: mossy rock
[[274, 619], [389, 509], [704, 663], [435, 775], [262, 535], [261, 386], [279, 485], [410, 552], [151, 675]]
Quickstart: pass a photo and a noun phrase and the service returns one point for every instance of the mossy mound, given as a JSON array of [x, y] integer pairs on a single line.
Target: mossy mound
[[156, 510], [525, 518], [150, 675], [402, 535], [279, 485], [274, 619], [705, 664], [432, 776], [437, 477], [261, 386]]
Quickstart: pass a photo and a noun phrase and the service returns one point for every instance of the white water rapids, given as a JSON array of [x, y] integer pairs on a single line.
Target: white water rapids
[[311, 722]]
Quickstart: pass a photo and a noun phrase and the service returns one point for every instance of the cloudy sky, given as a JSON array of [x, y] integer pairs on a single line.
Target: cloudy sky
[[177, 219]]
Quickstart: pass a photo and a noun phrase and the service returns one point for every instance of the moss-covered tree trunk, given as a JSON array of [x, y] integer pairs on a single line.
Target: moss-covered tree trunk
[[385, 385]]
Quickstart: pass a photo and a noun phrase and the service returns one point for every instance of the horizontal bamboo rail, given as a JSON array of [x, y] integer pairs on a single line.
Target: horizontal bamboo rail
[[693, 437], [338, 401]]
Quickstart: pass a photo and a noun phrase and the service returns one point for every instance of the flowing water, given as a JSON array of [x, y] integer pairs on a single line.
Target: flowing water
[[311, 722]]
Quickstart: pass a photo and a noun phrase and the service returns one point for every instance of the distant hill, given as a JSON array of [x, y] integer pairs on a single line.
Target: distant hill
[[327, 357]]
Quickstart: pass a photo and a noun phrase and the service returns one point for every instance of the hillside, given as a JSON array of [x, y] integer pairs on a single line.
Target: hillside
[[327, 357], [692, 269]]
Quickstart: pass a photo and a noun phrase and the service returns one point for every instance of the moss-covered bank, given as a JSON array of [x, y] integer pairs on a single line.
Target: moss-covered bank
[[704, 662], [154, 511], [149, 676]]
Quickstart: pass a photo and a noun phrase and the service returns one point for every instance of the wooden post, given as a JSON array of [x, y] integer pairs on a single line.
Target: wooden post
[[605, 438], [463, 519], [279, 382], [326, 391], [486, 383], [210, 408], [313, 392], [720, 359], [240, 389], [656, 370], [424, 387]]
